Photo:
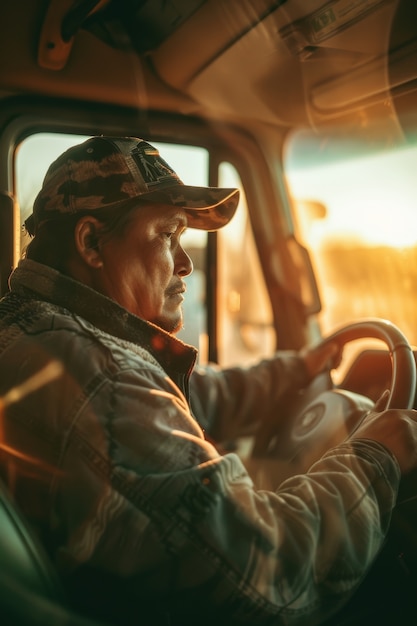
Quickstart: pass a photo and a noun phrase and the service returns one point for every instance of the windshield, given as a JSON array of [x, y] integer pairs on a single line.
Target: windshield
[[358, 217]]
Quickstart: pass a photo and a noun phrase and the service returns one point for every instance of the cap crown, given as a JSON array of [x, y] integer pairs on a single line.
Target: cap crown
[[103, 171], [107, 172]]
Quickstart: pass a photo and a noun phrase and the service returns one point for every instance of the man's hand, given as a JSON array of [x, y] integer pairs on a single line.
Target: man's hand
[[322, 357], [396, 429]]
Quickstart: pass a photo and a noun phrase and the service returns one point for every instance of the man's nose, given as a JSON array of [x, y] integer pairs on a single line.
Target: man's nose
[[183, 263]]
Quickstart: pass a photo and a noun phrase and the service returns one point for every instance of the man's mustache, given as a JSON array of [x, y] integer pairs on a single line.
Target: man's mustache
[[179, 287]]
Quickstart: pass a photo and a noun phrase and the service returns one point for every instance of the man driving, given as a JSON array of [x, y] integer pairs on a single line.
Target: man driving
[[144, 519]]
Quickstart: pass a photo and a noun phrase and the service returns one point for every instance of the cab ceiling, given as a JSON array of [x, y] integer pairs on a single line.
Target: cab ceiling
[[281, 62]]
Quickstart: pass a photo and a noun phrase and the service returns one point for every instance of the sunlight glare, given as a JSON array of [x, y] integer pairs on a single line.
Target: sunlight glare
[[369, 200]]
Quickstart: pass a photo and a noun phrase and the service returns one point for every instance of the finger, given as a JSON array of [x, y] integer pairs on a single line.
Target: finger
[[382, 402], [332, 355], [337, 358]]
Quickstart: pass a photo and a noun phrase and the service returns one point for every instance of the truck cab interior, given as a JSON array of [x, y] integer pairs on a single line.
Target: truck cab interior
[[310, 108]]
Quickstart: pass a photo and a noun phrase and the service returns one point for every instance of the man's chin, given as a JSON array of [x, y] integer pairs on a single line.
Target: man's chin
[[172, 326]]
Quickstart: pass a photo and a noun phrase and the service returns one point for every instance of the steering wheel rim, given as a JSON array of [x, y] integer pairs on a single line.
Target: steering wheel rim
[[403, 380]]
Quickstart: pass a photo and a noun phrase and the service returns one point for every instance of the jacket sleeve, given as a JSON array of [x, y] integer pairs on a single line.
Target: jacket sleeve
[[143, 497], [230, 402]]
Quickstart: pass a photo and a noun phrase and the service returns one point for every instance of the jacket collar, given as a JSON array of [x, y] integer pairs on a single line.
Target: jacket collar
[[44, 282]]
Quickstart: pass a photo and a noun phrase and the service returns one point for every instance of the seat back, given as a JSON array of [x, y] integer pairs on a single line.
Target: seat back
[[6, 239], [30, 591], [22, 558]]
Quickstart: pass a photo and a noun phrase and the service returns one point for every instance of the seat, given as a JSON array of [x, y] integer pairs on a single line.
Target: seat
[[6, 239], [30, 591], [20, 554]]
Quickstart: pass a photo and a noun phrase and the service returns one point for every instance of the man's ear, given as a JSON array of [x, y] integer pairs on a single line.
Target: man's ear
[[87, 241]]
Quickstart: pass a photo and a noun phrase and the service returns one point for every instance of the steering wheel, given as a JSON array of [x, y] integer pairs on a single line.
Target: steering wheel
[[322, 416]]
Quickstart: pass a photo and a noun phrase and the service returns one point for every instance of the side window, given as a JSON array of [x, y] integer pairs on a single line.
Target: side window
[[246, 331], [244, 318], [34, 156]]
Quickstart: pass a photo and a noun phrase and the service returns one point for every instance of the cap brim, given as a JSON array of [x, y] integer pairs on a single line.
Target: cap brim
[[207, 208]]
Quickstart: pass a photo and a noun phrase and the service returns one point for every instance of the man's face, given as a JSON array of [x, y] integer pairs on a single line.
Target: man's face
[[143, 270]]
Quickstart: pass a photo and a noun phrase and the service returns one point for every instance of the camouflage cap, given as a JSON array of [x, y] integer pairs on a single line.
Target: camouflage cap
[[105, 172]]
